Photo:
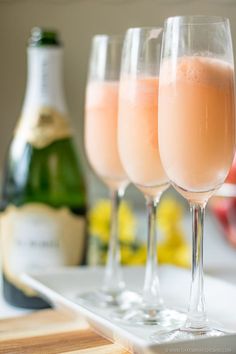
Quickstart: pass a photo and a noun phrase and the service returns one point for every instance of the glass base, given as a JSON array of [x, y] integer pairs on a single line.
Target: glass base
[[185, 333], [121, 299], [150, 317]]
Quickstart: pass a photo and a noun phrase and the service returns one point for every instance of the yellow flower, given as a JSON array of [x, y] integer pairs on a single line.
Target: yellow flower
[[170, 212], [173, 249], [179, 256], [100, 218], [127, 223], [133, 256]]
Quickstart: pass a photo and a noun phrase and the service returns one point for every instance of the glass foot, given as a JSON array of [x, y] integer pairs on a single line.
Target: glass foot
[[150, 317], [121, 299], [185, 333]]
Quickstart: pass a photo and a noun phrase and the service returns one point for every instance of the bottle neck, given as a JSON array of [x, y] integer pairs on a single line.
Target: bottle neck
[[45, 82]]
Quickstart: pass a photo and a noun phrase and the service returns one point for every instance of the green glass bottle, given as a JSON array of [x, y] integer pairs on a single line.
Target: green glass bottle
[[43, 202]]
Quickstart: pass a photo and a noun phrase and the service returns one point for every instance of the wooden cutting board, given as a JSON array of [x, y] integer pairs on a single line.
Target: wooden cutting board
[[52, 332]]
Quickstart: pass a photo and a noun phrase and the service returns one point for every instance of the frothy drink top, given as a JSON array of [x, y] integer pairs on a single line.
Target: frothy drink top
[[196, 70], [196, 121], [102, 93]]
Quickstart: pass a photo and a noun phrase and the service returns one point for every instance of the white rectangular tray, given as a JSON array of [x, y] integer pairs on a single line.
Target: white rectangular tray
[[62, 286]]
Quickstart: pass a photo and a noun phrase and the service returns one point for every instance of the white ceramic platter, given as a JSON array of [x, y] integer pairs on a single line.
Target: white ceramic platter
[[61, 287]]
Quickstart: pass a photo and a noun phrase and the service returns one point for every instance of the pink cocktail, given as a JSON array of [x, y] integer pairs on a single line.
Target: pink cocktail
[[196, 127], [101, 114], [138, 134], [197, 124], [139, 152], [101, 132]]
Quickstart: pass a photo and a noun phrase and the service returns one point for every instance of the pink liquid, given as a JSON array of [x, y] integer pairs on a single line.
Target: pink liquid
[[197, 124], [138, 138], [101, 132]]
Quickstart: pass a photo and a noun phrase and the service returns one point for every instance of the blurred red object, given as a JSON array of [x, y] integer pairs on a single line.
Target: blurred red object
[[231, 178], [224, 208]]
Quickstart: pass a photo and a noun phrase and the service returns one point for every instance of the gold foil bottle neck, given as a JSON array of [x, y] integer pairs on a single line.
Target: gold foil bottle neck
[[43, 127]]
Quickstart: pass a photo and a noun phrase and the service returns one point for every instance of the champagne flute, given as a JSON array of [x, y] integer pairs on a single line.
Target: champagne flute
[[138, 147], [196, 133], [102, 151]]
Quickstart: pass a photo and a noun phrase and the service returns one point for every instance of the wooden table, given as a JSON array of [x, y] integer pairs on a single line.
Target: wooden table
[[52, 332]]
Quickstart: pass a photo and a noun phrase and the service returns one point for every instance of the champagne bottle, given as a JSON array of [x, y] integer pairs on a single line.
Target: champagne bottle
[[43, 203]]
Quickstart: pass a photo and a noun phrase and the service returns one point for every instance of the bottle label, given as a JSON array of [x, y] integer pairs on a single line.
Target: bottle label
[[36, 236], [44, 126]]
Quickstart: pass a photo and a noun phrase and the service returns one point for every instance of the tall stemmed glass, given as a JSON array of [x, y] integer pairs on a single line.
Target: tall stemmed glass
[[101, 113], [196, 132], [138, 147]]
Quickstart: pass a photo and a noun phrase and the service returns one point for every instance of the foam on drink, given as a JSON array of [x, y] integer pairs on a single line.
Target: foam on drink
[[196, 122], [138, 137], [101, 132]]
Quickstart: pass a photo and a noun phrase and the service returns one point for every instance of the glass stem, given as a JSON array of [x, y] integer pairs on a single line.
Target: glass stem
[[113, 281], [197, 318], [151, 291]]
